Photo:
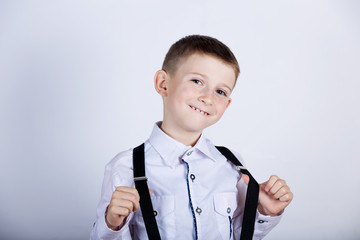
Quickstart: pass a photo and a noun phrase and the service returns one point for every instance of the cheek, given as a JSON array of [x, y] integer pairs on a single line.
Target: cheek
[[180, 96], [222, 103], [221, 107], [186, 93]]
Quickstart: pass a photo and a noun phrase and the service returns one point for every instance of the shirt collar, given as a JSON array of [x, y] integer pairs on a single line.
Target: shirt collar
[[206, 147], [171, 150]]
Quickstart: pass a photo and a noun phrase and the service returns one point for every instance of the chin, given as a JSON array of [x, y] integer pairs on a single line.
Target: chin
[[199, 127], [197, 123]]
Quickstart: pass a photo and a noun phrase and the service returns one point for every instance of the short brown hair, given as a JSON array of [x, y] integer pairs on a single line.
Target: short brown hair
[[198, 44]]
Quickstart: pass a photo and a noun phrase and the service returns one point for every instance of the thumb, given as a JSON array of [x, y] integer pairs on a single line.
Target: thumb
[[150, 191], [246, 178]]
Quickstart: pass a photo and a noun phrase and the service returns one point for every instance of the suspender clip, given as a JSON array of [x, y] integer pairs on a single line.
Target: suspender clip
[[240, 168], [140, 178]]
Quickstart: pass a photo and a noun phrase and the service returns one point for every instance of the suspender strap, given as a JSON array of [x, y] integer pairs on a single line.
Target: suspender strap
[[143, 189], [252, 195], [147, 210]]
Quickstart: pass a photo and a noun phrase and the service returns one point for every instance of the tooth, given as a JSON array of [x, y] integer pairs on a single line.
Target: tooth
[[198, 110], [202, 112], [193, 108]]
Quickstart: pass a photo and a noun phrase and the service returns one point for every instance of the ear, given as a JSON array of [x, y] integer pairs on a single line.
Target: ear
[[160, 82], [229, 101]]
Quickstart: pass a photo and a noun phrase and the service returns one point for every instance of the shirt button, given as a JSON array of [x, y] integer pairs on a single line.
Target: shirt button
[[155, 213], [189, 153], [228, 210], [261, 221], [198, 210], [192, 176]]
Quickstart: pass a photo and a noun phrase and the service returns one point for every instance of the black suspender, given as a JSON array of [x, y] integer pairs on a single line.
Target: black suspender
[[148, 211], [143, 189], [252, 195]]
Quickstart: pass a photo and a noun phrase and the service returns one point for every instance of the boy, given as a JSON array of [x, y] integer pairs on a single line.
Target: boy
[[195, 192]]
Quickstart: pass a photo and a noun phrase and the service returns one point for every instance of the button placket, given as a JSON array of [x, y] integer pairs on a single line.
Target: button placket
[[194, 211]]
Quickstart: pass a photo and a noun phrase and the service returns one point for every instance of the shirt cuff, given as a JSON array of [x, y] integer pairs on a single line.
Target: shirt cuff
[[263, 223], [104, 232]]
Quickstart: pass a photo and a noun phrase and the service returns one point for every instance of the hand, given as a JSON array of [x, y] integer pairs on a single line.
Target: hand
[[274, 195], [123, 201]]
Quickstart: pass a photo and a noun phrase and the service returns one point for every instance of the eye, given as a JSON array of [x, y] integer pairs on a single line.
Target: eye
[[196, 81], [221, 92]]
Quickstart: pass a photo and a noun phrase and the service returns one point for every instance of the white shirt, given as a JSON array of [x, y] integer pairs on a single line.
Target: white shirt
[[197, 193]]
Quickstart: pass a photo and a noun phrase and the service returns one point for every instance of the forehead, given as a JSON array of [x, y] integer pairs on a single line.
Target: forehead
[[207, 65]]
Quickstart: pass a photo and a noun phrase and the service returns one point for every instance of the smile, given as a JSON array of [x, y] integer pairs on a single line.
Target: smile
[[199, 111]]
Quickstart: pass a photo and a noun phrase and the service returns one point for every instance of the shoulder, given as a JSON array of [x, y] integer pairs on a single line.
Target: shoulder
[[215, 151], [121, 166], [120, 169], [121, 160]]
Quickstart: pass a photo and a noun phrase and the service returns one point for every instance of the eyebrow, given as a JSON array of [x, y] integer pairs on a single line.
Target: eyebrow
[[204, 76]]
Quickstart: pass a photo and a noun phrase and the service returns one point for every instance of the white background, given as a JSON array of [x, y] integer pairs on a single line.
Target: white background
[[77, 88]]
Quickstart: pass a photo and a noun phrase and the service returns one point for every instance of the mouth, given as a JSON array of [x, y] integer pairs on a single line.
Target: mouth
[[199, 111]]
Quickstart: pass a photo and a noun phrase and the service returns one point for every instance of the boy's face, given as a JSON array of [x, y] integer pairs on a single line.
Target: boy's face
[[197, 94]]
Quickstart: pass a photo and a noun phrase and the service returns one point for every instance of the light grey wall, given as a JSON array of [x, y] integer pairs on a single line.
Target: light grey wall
[[76, 88]]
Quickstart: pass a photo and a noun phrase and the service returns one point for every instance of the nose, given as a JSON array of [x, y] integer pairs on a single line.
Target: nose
[[206, 97]]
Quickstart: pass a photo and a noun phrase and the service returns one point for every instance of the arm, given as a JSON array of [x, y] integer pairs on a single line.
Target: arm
[[114, 204]]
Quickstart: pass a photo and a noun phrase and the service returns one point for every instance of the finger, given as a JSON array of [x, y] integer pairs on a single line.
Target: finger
[[127, 189], [246, 178], [270, 183], [119, 211], [281, 192], [131, 190], [135, 199], [126, 195], [277, 185], [287, 197], [123, 203], [129, 196], [150, 191]]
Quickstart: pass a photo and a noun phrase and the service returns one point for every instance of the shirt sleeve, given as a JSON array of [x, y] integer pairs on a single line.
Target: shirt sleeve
[[263, 224], [122, 163]]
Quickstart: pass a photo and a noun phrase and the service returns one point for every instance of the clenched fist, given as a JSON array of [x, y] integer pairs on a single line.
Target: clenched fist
[[123, 201], [274, 195]]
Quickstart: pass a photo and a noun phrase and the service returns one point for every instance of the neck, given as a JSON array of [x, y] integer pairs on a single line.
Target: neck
[[186, 138]]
